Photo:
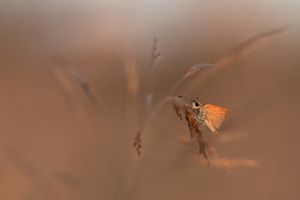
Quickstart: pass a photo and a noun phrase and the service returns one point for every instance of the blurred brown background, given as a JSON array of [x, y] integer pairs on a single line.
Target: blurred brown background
[[59, 141]]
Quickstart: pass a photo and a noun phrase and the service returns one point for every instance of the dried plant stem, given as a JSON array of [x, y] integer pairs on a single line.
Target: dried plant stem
[[155, 56], [247, 45], [241, 51], [129, 181]]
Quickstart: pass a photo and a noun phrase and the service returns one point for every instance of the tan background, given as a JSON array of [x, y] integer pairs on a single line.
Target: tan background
[[56, 143]]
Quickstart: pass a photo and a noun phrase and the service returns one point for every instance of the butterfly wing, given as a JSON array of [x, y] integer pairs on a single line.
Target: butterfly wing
[[214, 116]]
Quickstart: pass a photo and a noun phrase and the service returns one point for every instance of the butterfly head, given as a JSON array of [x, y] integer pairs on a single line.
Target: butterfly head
[[196, 104]]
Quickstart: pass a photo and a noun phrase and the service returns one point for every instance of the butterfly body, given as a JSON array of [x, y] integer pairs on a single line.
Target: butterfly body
[[209, 115]]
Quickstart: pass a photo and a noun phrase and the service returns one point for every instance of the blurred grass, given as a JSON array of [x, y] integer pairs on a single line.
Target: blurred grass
[[54, 127]]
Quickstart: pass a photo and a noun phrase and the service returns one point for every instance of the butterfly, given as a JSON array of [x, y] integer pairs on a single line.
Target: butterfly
[[209, 115], [200, 114]]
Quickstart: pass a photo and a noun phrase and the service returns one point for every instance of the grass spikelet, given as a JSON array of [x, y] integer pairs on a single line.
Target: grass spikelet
[[196, 68], [177, 106], [155, 57], [155, 54], [138, 144]]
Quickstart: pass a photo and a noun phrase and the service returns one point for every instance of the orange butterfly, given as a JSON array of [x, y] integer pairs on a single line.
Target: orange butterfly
[[211, 116]]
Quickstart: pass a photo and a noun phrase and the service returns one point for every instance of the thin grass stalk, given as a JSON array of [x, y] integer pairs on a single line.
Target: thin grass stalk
[[128, 182], [155, 57]]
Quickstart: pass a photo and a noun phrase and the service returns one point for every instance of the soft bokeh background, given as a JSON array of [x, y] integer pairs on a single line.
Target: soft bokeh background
[[59, 143]]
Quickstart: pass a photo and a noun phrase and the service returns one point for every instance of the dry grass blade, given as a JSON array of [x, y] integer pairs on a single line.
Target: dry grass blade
[[241, 50], [227, 60], [226, 163], [248, 45], [138, 144], [177, 110], [236, 54], [178, 106]]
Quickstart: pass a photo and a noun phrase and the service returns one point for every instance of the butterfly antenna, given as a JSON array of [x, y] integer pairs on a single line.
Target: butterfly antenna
[[185, 99]]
